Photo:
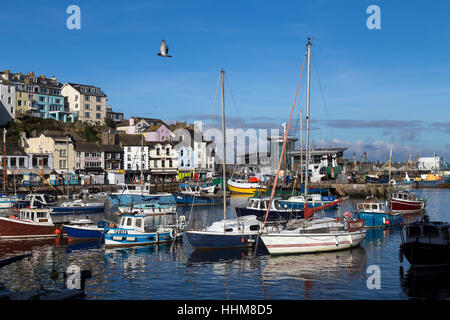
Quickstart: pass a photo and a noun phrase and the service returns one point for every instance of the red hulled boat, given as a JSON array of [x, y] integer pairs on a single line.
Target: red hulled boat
[[402, 201], [28, 223]]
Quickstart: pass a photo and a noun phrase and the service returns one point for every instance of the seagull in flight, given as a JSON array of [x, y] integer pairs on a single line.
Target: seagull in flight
[[164, 49]]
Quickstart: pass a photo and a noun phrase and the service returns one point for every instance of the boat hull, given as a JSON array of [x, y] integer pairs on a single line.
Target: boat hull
[[282, 244], [78, 210], [16, 229], [379, 220], [127, 238], [245, 188], [426, 254], [273, 215], [80, 232], [216, 240], [186, 199], [406, 206], [127, 199]]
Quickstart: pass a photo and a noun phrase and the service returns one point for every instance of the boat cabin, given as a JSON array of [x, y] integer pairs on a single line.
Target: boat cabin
[[403, 195], [133, 222], [262, 203], [375, 207], [122, 187], [37, 200], [40, 216], [429, 232]]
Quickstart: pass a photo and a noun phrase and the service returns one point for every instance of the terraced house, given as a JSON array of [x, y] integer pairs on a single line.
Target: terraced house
[[38, 96], [86, 101]]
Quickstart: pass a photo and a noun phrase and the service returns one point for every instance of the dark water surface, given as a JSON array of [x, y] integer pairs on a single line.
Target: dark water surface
[[177, 272]]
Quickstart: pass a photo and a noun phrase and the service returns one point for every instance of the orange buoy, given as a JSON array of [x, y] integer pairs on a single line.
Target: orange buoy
[[57, 231], [243, 240]]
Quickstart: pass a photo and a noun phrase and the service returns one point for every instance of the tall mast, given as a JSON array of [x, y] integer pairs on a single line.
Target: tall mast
[[4, 159], [301, 148], [308, 88], [224, 172], [142, 159]]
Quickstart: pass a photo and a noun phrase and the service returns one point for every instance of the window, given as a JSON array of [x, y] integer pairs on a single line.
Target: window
[[9, 100], [181, 152], [99, 99], [19, 103], [163, 162], [167, 152], [87, 106], [129, 221], [158, 151], [63, 153], [170, 163], [138, 223], [430, 231], [76, 105], [98, 115], [63, 164], [87, 114], [99, 108], [87, 98]]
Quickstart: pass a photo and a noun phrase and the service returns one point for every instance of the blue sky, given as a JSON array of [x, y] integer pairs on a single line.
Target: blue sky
[[372, 90]]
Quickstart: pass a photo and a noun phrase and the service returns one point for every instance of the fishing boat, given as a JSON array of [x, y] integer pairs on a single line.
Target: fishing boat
[[138, 193], [309, 235], [426, 243], [28, 223], [376, 214], [314, 200], [36, 200], [40, 200], [148, 209], [84, 229], [403, 201], [132, 231], [226, 233], [244, 186], [257, 206], [198, 195]]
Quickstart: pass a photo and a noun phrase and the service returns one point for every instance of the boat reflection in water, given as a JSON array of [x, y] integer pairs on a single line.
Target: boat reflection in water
[[426, 283], [327, 269]]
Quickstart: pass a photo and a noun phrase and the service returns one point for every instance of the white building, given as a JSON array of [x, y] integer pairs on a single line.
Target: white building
[[7, 101], [430, 163]]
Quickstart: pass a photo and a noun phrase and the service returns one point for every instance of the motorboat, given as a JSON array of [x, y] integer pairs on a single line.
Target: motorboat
[[426, 243], [376, 214], [28, 223]]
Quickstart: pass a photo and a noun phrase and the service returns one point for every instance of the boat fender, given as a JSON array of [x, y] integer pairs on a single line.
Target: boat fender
[[172, 233], [112, 225]]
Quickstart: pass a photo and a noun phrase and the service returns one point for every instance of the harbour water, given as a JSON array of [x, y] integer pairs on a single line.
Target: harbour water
[[177, 272]]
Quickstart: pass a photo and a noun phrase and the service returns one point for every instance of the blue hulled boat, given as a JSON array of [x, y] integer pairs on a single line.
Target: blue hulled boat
[[85, 229], [132, 231], [376, 215], [138, 193], [233, 233], [37, 200], [314, 200], [258, 207]]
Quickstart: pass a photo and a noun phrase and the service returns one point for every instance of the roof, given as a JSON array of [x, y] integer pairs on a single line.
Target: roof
[[137, 140], [111, 148], [78, 87], [87, 147], [13, 149], [153, 128]]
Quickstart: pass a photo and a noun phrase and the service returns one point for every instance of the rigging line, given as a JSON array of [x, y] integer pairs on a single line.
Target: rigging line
[[211, 115], [284, 144], [322, 95]]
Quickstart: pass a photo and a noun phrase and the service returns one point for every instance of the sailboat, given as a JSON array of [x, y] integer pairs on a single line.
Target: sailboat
[[308, 234], [231, 233]]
